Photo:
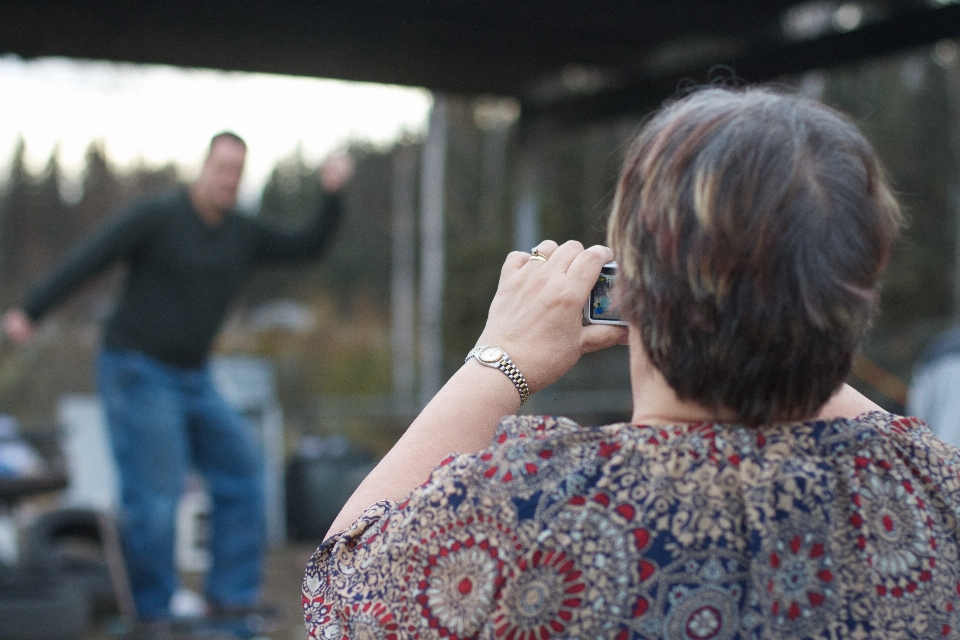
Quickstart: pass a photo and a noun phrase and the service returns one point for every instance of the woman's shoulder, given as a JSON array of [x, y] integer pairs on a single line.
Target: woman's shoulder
[[533, 427], [884, 430], [831, 444]]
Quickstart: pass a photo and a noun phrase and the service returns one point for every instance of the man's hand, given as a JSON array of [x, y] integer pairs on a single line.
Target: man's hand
[[19, 327], [336, 172]]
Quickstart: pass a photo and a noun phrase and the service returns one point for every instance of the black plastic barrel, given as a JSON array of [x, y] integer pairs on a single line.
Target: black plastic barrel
[[319, 480]]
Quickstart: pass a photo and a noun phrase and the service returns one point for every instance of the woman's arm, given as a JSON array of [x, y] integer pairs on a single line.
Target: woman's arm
[[536, 318]]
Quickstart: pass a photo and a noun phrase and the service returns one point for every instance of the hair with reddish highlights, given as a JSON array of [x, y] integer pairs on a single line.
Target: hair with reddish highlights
[[751, 228]]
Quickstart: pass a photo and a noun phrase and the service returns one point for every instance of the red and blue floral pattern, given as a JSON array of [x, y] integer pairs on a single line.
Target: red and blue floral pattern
[[847, 529]]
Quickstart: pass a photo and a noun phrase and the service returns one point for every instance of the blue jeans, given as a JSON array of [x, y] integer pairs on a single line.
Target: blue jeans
[[164, 420]]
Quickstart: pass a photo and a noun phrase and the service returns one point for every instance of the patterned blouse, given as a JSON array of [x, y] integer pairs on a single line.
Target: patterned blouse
[[842, 529]]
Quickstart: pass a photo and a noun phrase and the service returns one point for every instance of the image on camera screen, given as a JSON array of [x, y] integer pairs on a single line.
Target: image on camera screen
[[601, 304]]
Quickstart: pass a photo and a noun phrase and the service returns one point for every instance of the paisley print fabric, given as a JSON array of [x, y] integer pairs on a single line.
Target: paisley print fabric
[[843, 529]]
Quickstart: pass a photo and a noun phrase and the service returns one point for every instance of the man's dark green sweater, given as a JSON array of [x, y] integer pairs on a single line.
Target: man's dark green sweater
[[182, 274]]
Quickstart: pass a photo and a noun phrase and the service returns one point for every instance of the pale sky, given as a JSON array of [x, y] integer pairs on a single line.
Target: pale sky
[[157, 114]]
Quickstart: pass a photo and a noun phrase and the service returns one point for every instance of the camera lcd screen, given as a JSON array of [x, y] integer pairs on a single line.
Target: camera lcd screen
[[601, 303]]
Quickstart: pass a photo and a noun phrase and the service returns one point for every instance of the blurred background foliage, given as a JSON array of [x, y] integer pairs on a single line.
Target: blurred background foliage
[[326, 325]]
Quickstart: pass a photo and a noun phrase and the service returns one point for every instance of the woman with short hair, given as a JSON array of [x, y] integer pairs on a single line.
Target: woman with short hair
[[752, 494]]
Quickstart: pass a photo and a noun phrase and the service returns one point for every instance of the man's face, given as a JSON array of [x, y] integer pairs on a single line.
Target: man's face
[[220, 177]]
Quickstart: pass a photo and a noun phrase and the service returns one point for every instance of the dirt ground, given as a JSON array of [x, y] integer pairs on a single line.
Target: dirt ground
[[284, 575], [284, 571]]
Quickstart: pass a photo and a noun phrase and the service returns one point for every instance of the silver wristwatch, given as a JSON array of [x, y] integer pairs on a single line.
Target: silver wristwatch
[[492, 356]]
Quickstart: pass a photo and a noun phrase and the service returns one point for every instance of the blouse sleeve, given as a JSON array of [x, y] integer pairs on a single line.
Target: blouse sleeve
[[334, 571]]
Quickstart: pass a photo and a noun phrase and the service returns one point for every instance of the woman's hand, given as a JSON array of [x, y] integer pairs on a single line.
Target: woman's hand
[[536, 315]]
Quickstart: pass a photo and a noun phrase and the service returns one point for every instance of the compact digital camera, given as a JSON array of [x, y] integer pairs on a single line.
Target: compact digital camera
[[599, 308]]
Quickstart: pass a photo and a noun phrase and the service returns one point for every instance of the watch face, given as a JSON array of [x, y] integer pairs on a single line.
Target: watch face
[[490, 354]]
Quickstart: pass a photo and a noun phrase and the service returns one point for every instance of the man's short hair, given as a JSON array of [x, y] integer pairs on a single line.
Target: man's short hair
[[227, 135], [751, 229]]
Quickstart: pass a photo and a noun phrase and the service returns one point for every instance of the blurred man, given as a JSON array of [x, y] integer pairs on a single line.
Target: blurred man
[[187, 253]]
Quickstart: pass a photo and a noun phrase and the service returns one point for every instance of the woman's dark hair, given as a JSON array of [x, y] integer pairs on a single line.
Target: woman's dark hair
[[751, 228]]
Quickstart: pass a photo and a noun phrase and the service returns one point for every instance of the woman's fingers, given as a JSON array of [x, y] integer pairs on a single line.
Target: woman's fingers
[[581, 265], [560, 257], [601, 336], [542, 252], [515, 260], [585, 267]]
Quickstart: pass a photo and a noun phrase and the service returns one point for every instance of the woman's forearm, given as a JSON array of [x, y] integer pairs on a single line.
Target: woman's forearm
[[461, 418]]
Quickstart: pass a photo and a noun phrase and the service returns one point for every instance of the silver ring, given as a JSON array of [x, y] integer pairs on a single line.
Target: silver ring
[[536, 255]]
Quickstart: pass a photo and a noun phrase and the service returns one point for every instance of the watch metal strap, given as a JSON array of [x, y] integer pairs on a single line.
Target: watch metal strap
[[504, 364]]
